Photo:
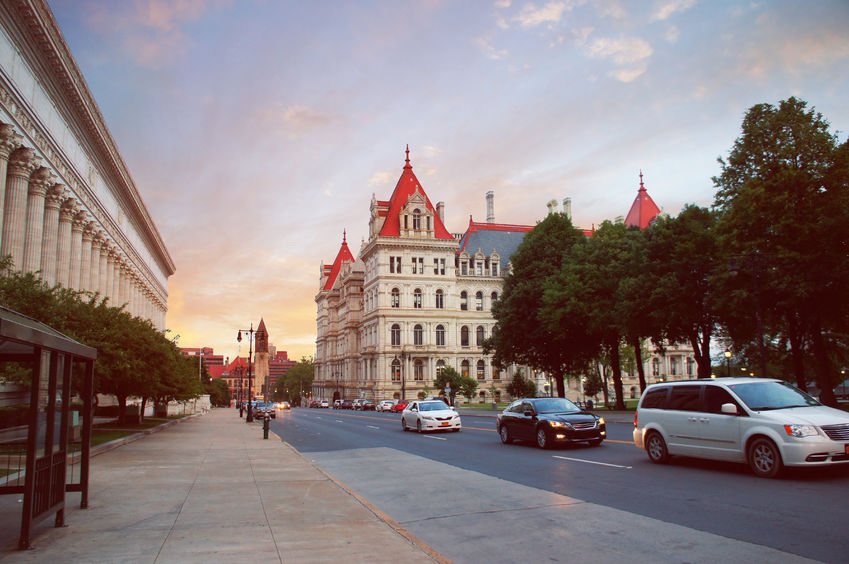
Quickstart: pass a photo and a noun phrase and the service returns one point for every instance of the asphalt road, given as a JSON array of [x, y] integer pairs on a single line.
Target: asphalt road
[[803, 513]]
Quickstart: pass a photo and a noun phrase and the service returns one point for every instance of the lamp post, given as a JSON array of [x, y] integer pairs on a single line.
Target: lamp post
[[728, 362], [250, 333]]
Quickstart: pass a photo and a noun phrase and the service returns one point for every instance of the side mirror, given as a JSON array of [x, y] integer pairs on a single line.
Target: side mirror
[[728, 408], [529, 413]]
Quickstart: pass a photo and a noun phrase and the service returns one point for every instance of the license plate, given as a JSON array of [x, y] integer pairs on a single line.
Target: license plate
[[446, 424]]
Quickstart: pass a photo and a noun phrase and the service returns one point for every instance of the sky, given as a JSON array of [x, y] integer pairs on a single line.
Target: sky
[[257, 131]]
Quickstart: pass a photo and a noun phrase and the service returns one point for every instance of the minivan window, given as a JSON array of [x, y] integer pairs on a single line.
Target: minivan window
[[715, 397], [684, 398], [654, 399], [762, 396]]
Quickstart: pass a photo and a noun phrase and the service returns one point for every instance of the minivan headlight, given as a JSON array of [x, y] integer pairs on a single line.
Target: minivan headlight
[[800, 430]]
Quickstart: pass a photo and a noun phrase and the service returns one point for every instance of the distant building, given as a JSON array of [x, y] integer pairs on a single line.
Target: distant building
[[207, 356]]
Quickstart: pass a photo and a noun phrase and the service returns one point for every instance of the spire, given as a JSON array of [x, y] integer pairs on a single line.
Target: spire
[[641, 180], [407, 164], [643, 210], [344, 236]]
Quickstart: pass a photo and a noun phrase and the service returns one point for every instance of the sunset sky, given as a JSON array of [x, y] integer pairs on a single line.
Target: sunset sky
[[256, 132]]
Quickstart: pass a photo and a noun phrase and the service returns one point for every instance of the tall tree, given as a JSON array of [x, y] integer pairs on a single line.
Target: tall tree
[[781, 200], [520, 336]]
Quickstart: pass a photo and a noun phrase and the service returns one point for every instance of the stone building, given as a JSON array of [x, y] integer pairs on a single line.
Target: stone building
[[70, 209]]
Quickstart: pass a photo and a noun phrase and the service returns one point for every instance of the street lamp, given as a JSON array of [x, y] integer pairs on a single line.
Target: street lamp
[[728, 362], [250, 333]]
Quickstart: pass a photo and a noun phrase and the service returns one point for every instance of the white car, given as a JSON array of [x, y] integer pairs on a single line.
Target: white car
[[385, 405], [766, 423], [429, 415]]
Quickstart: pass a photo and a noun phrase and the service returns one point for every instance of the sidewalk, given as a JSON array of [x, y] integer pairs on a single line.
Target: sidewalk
[[212, 490]]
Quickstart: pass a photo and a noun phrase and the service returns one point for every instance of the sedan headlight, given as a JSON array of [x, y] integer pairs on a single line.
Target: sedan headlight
[[800, 430], [559, 424], [427, 417], [601, 420]]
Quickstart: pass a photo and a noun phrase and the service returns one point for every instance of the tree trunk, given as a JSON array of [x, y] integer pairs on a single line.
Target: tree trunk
[[561, 385], [122, 409], [141, 410], [602, 374], [797, 353], [823, 364], [701, 350], [616, 366], [638, 358]]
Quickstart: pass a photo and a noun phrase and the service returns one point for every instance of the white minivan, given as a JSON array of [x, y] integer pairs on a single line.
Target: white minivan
[[766, 423]]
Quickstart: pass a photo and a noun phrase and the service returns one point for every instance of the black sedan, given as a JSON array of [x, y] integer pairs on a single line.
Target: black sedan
[[549, 421]]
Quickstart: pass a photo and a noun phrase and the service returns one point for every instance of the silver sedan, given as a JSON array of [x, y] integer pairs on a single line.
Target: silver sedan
[[430, 415]]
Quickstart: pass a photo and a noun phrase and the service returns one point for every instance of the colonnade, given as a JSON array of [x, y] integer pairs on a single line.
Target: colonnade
[[45, 230]]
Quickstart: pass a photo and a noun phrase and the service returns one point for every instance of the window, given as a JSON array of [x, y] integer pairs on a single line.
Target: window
[[436, 266], [464, 368], [481, 372], [396, 370], [464, 336], [655, 367], [495, 269], [479, 267], [418, 370], [440, 366], [396, 335], [464, 300], [479, 301], [395, 265], [417, 298], [440, 299], [440, 336], [396, 298], [418, 335], [684, 398], [418, 265], [715, 397], [479, 336], [673, 366], [441, 267], [654, 399], [464, 268], [496, 373], [689, 366], [494, 297], [417, 219]]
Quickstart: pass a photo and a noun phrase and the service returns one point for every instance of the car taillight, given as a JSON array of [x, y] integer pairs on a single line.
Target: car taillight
[[635, 419]]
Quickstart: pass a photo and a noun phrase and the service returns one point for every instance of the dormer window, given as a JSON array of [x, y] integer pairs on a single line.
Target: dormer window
[[417, 219]]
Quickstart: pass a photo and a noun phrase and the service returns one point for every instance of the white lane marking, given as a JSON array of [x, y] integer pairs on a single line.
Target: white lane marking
[[372, 427], [435, 438], [339, 421], [593, 462]]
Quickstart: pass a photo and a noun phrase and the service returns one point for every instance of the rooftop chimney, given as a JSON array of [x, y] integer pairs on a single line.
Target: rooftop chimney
[[567, 207], [552, 207], [490, 207], [440, 211]]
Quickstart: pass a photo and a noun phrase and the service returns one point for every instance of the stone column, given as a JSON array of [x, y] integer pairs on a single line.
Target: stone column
[[85, 260], [50, 246], [22, 163], [66, 218], [110, 277], [127, 280], [94, 273], [116, 277], [104, 267], [80, 221], [9, 141], [39, 182]]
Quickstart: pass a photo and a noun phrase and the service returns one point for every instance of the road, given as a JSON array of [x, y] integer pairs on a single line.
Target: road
[[473, 498]]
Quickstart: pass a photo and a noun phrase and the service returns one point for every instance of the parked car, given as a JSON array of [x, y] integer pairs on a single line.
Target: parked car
[[358, 403], [549, 421], [346, 404], [385, 405], [263, 410], [337, 404], [324, 403], [765, 423], [367, 405], [432, 415], [399, 406]]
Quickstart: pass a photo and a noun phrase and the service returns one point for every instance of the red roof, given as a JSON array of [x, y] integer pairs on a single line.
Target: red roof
[[344, 255], [406, 187], [643, 210]]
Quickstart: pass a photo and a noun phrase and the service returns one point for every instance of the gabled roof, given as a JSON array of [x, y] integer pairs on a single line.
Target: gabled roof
[[643, 210], [407, 185], [503, 238], [344, 255]]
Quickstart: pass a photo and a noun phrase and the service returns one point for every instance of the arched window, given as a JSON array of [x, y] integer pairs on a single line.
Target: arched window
[[440, 366], [479, 301], [464, 336], [494, 297], [464, 300], [464, 368], [496, 373], [440, 336], [417, 298], [417, 219], [418, 335], [655, 367], [479, 336], [396, 335], [396, 370], [396, 298], [418, 370], [440, 299], [480, 367]]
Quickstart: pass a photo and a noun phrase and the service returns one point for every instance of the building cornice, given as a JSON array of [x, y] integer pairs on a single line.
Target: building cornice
[[45, 50]]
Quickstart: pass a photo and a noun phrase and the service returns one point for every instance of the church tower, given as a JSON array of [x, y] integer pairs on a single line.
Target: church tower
[[262, 385]]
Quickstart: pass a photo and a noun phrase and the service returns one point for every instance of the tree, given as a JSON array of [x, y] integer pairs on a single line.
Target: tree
[[468, 387], [299, 378], [521, 387], [219, 393], [520, 336], [450, 377], [782, 204]]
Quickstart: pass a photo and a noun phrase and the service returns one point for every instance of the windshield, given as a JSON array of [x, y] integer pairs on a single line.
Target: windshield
[[555, 405], [762, 396], [433, 406]]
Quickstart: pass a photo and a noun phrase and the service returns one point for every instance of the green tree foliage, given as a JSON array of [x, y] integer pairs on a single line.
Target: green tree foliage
[[219, 393], [520, 336], [298, 378], [521, 387], [783, 208], [459, 384]]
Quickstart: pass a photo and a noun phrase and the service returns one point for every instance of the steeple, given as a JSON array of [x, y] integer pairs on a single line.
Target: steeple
[[407, 164], [343, 256], [643, 210]]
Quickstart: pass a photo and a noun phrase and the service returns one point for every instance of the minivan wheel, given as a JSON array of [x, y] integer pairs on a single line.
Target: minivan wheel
[[543, 439], [656, 448], [764, 458], [505, 435]]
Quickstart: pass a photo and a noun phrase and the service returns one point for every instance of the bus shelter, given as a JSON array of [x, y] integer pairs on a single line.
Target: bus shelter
[[46, 382]]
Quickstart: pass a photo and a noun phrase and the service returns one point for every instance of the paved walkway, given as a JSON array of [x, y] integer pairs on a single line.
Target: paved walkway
[[212, 490]]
